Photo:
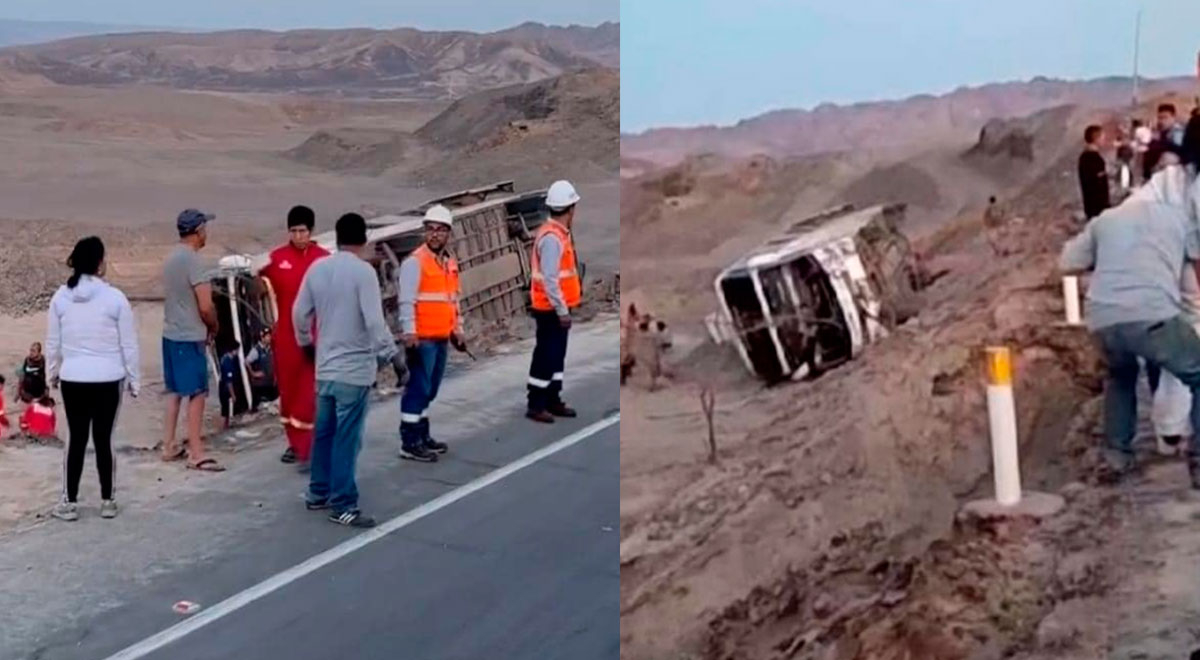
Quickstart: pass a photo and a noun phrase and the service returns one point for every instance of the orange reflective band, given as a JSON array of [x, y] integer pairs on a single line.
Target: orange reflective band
[[999, 363]]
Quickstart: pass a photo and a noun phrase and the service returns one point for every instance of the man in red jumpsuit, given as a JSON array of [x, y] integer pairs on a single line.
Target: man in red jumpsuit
[[295, 372]]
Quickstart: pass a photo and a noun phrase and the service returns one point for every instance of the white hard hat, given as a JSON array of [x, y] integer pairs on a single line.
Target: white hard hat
[[561, 195], [440, 215]]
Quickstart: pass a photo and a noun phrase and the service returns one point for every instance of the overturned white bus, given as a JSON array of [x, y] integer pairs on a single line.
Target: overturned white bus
[[493, 231], [815, 295]]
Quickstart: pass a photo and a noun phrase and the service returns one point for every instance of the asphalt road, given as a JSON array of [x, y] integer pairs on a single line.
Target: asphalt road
[[524, 566], [524, 569]]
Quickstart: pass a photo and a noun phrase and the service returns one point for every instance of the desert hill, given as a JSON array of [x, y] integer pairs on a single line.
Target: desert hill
[[570, 122], [356, 62], [930, 120]]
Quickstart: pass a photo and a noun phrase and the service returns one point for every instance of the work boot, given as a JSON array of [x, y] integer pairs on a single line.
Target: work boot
[[1193, 463], [435, 446], [561, 409], [417, 452], [540, 416], [431, 444]]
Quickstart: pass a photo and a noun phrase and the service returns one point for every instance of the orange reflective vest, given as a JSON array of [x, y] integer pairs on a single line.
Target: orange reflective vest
[[437, 296], [568, 277]]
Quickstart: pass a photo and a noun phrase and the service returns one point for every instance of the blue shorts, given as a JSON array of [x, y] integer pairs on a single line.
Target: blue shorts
[[185, 367]]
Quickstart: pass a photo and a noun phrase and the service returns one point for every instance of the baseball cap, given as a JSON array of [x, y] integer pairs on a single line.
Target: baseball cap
[[190, 220]]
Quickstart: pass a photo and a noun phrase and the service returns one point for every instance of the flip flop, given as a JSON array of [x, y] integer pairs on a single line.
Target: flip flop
[[176, 456], [207, 465]]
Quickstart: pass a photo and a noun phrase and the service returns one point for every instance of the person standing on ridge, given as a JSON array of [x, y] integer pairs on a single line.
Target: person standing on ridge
[[995, 216], [352, 341], [294, 371], [555, 290], [430, 321], [1169, 128], [1093, 173], [189, 326]]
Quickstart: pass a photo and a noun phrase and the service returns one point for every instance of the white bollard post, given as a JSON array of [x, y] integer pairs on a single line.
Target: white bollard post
[[1071, 298], [1002, 420]]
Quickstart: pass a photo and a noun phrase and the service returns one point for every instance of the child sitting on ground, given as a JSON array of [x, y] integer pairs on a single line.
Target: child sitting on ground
[[38, 422]]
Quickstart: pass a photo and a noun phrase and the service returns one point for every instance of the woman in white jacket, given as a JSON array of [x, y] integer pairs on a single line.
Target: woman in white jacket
[[92, 355]]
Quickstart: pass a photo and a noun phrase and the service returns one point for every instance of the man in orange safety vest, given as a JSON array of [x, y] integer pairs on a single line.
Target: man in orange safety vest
[[430, 321], [555, 290]]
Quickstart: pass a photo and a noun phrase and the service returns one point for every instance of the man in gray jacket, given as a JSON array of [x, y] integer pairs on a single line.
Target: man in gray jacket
[[353, 340], [1136, 253]]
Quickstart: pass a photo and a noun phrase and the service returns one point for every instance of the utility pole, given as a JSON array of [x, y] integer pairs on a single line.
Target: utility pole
[[1137, 38]]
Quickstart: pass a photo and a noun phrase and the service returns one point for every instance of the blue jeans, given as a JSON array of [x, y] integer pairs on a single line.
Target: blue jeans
[[1171, 345], [341, 411], [426, 366]]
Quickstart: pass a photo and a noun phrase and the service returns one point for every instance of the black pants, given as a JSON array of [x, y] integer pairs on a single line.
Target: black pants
[[91, 410], [549, 358]]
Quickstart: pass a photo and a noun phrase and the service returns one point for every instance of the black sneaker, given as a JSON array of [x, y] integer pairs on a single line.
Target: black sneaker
[[316, 506], [353, 518], [419, 453], [289, 456], [436, 447]]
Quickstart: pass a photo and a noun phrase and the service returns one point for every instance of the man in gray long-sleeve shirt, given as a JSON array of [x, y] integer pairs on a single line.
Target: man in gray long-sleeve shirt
[[1137, 253], [353, 339], [430, 321]]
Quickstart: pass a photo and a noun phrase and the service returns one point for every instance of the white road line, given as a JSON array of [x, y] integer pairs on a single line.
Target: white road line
[[282, 579]]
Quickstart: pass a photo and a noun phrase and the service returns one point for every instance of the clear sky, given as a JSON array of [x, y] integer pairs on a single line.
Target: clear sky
[[688, 62], [475, 15]]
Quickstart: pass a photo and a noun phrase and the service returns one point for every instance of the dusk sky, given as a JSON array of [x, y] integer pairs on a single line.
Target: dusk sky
[[688, 62]]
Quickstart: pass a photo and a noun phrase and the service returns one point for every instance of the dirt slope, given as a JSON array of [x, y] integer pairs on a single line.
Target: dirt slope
[[568, 125]]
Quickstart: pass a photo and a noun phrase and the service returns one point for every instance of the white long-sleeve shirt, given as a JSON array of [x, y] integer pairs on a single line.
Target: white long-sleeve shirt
[[91, 337]]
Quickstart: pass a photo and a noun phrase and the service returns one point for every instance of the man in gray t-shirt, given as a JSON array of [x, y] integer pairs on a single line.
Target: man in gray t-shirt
[[189, 323], [182, 273]]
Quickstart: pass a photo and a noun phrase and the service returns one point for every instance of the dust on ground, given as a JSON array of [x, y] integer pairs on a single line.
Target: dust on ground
[[828, 526]]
